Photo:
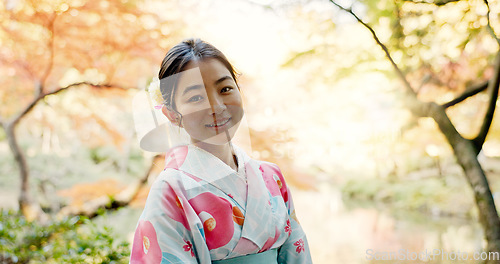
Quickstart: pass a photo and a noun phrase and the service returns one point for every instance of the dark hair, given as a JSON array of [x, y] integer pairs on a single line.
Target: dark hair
[[176, 60]]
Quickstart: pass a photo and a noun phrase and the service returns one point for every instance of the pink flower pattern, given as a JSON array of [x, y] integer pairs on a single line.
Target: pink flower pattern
[[300, 245], [174, 206], [176, 157], [219, 229], [145, 247], [288, 228], [274, 180], [222, 225], [188, 247]]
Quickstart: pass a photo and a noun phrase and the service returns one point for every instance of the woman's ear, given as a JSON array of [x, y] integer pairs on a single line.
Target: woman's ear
[[171, 115]]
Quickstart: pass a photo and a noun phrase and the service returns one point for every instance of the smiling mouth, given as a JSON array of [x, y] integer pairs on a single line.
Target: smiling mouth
[[220, 123]]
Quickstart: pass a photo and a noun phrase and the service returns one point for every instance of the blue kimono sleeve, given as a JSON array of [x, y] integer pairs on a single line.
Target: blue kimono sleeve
[[295, 250], [167, 231]]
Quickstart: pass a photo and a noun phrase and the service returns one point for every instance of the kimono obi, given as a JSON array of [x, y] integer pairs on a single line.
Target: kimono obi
[[266, 257]]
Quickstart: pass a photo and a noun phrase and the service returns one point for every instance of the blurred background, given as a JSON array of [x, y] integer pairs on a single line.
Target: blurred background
[[321, 99]]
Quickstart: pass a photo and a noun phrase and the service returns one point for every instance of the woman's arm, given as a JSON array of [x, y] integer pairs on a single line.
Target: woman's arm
[[295, 249], [168, 231]]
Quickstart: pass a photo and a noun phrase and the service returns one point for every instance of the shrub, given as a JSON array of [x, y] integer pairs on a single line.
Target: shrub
[[71, 240]]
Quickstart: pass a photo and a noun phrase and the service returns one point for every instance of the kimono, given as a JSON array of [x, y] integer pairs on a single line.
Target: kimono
[[200, 210]]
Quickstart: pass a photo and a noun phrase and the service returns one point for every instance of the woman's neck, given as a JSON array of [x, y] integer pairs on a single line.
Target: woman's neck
[[224, 152]]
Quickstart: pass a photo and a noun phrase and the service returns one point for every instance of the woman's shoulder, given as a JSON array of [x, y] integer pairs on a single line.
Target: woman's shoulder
[[167, 177], [273, 178], [267, 166], [176, 156]]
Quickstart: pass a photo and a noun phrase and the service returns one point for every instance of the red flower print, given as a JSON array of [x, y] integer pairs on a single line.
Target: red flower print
[[267, 174], [174, 205], [216, 214], [175, 157], [188, 247], [274, 180], [300, 245], [145, 248], [288, 228]]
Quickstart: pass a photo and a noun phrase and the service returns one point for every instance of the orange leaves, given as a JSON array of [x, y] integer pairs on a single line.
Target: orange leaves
[[81, 193], [107, 35]]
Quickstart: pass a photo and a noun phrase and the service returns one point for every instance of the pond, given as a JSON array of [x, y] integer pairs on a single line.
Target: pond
[[347, 232]]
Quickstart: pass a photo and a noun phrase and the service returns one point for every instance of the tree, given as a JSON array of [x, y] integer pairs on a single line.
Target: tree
[[49, 47], [465, 149]]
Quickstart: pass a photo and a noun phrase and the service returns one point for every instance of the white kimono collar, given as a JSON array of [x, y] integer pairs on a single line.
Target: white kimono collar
[[208, 167], [257, 210]]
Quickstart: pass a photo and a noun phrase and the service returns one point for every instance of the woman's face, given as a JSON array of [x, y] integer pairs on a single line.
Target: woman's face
[[209, 101]]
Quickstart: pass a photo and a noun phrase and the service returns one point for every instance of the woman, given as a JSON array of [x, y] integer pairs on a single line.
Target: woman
[[213, 203]]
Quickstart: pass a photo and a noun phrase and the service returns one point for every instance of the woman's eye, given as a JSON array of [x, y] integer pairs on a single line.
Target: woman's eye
[[226, 89], [195, 98]]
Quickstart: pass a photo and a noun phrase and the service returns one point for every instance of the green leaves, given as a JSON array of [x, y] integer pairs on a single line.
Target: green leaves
[[72, 240]]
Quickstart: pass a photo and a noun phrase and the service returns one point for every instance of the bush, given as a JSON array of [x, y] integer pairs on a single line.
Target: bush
[[72, 240]]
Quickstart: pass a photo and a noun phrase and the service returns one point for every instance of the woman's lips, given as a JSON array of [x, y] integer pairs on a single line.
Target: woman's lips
[[220, 123]]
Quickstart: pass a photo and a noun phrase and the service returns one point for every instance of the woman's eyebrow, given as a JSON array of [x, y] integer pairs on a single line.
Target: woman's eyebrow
[[192, 87], [223, 79]]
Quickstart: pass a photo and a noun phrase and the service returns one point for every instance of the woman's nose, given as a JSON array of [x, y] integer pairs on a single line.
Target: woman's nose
[[217, 104]]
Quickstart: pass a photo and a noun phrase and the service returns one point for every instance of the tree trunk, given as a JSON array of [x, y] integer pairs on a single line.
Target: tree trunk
[[91, 208], [465, 150], [30, 210], [466, 156]]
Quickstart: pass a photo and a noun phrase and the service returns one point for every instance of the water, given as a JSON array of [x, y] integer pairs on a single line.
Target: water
[[348, 232]]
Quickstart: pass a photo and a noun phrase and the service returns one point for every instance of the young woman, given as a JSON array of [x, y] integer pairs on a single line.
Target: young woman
[[213, 203]]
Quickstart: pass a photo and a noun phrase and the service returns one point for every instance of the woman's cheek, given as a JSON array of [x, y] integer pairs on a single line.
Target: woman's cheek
[[194, 124]]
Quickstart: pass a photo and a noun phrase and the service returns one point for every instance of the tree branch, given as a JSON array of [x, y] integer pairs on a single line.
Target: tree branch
[[408, 88], [437, 2], [425, 80], [490, 28], [488, 118], [41, 96], [122, 199], [465, 151], [467, 93]]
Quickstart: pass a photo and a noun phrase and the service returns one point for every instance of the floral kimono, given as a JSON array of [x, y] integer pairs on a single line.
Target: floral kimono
[[200, 210]]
